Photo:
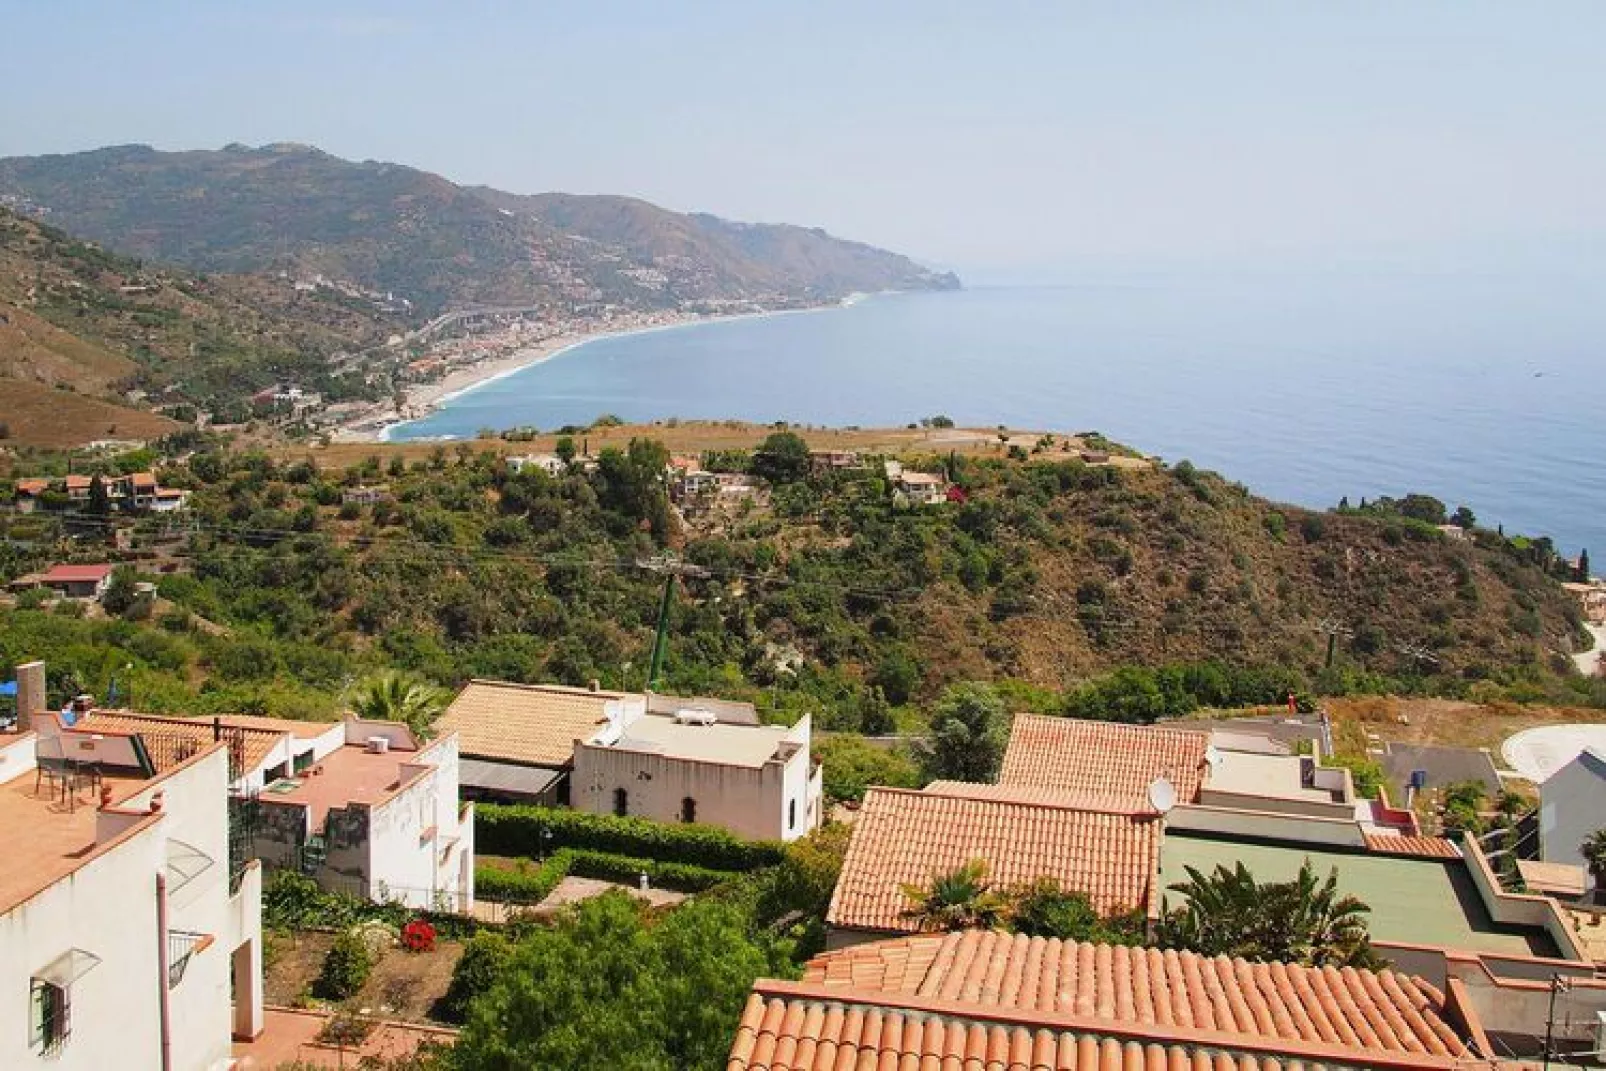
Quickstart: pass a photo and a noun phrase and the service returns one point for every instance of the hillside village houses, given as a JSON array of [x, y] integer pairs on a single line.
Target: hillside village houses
[[137, 492], [1120, 813], [130, 927], [654, 756], [361, 807]]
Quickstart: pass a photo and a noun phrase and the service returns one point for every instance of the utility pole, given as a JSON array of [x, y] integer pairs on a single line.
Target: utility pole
[[1558, 984], [669, 567], [1333, 630]]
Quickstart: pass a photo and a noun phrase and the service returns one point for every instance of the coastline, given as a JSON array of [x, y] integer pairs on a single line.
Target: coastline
[[422, 399]]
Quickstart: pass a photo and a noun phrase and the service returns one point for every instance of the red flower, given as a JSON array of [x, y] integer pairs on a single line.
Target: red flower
[[418, 936]]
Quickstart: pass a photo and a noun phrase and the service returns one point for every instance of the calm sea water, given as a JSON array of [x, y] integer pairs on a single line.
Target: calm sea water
[[1480, 390]]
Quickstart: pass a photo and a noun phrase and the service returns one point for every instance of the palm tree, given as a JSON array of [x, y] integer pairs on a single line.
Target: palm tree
[[1594, 851], [1301, 921], [392, 696], [960, 899]]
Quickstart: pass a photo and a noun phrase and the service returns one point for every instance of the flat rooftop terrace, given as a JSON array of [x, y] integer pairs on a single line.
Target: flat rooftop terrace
[[731, 745], [349, 774], [43, 837], [1413, 901]]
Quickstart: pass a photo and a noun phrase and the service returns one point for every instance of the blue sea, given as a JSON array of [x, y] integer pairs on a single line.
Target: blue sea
[[1482, 390]]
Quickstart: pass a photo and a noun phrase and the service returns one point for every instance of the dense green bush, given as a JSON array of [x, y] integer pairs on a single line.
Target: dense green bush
[[521, 830], [345, 968], [485, 956], [530, 885]]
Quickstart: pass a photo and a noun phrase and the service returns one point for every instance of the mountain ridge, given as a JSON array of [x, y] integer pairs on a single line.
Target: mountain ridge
[[395, 228]]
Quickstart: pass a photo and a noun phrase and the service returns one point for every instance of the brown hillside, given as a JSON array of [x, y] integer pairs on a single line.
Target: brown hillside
[[35, 349], [38, 415]]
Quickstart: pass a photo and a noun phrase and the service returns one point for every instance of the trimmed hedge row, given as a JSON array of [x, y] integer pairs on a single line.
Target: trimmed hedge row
[[529, 885], [522, 830]]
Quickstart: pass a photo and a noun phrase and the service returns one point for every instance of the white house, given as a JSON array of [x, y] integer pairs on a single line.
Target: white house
[[551, 464], [758, 781], [362, 807], [130, 937], [921, 488], [1572, 805]]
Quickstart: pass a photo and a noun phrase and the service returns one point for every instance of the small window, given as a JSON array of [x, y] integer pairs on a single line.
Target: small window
[[688, 810], [621, 802], [52, 1017], [791, 815]]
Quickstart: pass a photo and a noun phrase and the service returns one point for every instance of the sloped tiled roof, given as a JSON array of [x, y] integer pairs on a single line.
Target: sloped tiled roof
[[253, 745], [902, 837], [77, 574], [533, 724], [1099, 758], [798, 1027], [1051, 797], [1382, 1011], [1423, 847]]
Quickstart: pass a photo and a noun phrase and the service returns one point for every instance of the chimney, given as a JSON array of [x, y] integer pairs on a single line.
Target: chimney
[[595, 685], [30, 694]]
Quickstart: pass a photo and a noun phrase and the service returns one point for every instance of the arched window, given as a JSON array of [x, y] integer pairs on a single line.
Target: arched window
[[621, 802], [688, 810]]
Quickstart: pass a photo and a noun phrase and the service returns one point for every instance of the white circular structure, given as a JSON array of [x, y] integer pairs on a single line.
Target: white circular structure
[[1539, 752]]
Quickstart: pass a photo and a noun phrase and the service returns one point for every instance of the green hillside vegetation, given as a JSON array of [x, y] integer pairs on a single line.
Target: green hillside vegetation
[[76, 317], [395, 228], [1132, 593]]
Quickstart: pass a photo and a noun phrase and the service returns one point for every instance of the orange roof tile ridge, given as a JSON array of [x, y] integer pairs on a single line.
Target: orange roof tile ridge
[[876, 1008]]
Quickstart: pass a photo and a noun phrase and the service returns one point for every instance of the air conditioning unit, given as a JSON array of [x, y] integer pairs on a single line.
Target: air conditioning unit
[[695, 716], [378, 745]]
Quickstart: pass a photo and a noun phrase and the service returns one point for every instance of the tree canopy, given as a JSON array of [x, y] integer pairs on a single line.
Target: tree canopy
[[968, 735]]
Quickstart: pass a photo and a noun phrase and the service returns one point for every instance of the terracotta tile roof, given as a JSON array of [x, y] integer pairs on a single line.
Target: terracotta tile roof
[[1382, 1011], [1049, 797], [903, 837], [1430, 847], [796, 1027], [32, 487], [255, 744], [77, 574], [534, 724], [1101, 758]]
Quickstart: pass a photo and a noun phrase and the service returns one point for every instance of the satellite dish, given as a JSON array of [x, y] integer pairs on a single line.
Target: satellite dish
[[1212, 756], [1162, 795]]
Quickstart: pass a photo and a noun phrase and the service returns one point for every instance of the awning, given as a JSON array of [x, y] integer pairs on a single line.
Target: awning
[[505, 777], [67, 968], [185, 863]]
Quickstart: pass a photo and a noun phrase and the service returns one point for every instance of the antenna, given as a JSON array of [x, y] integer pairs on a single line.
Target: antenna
[[1162, 795]]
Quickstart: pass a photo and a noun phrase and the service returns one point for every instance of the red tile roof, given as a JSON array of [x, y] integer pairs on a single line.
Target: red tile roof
[[77, 574], [1382, 1011], [1100, 758], [1429, 847], [32, 487], [797, 1027], [902, 837]]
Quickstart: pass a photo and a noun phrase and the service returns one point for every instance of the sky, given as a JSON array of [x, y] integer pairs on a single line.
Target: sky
[[1000, 138]]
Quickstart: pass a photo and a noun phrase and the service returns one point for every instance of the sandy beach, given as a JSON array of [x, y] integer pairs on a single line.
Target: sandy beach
[[421, 399]]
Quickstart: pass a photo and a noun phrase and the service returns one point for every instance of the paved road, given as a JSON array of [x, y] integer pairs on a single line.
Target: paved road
[[1589, 661]]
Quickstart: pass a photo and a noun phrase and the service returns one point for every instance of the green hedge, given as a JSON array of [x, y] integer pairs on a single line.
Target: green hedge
[[519, 830], [530, 885], [525, 885], [683, 877]]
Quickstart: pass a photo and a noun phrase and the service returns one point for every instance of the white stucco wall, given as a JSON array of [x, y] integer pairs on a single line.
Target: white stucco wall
[[1572, 805], [752, 802], [108, 907], [417, 839]]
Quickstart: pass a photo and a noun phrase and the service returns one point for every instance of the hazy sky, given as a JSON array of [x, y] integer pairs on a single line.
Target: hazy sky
[[979, 135]]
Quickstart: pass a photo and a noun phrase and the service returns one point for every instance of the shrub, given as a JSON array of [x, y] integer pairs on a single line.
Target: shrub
[[485, 958], [345, 968], [521, 830], [524, 884]]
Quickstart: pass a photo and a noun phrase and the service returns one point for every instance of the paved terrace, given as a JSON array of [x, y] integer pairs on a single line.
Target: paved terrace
[[43, 838], [1413, 901], [348, 775]]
